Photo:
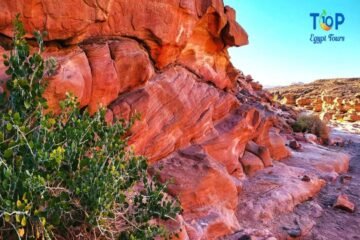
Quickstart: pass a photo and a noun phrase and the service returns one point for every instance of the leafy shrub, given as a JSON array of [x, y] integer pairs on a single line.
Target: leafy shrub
[[312, 124], [69, 172]]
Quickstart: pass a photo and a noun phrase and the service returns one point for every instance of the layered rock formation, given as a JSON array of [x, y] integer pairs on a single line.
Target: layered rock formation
[[203, 124], [333, 99]]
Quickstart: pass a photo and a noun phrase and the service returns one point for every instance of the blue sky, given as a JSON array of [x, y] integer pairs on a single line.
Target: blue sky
[[280, 51]]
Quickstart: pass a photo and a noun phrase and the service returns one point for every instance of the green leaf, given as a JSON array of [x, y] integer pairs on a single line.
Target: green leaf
[[7, 217], [18, 204], [23, 221], [8, 153], [17, 218], [17, 117], [9, 127], [27, 104]]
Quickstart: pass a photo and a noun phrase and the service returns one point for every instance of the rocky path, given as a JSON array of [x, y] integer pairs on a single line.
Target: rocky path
[[294, 199], [336, 224]]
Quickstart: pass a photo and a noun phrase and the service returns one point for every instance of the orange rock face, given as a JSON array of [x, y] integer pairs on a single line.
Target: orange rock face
[[262, 152], [208, 193], [121, 74], [171, 30], [175, 109], [156, 58], [206, 125], [73, 75]]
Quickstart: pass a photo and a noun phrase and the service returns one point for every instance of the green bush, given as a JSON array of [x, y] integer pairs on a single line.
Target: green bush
[[312, 124], [70, 172]]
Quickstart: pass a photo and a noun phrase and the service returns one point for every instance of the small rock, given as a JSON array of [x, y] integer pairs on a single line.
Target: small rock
[[293, 232], [345, 179], [299, 137], [311, 138], [306, 178], [337, 141], [294, 145], [249, 78], [245, 237], [343, 202]]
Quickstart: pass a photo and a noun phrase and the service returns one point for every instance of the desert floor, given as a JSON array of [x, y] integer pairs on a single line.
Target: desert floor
[[336, 224]]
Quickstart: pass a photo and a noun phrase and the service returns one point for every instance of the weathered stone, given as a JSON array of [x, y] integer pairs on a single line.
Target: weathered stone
[[170, 120], [294, 145], [344, 203], [311, 138], [303, 101], [289, 99], [262, 152], [73, 75], [251, 163], [121, 74], [207, 193]]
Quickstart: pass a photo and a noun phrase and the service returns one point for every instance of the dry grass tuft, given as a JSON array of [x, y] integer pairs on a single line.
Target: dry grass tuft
[[312, 124]]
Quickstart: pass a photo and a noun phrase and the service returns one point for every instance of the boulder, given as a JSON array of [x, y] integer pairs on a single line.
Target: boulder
[[251, 163], [328, 99], [312, 138], [277, 146], [317, 107], [256, 86], [337, 141], [303, 101], [293, 144], [326, 116], [344, 203], [352, 117], [269, 137], [289, 99], [260, 151], [72, 75]]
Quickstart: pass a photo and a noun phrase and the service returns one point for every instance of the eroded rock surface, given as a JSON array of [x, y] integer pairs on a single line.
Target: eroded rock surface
[[332, 99], [203, 124]]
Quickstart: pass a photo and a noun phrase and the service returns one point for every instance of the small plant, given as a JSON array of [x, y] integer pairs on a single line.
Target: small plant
[[312, 124], [70, 174]]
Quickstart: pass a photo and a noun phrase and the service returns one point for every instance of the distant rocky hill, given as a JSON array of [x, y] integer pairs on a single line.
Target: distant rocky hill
[[336, 99]]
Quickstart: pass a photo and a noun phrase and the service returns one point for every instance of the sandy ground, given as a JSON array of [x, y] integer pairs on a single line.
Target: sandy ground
[[336, 224]]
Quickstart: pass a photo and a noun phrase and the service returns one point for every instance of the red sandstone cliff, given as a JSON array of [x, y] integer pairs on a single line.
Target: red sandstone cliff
[[207, 125]]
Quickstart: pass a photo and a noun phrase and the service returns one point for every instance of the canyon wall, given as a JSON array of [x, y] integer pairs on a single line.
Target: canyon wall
[[204, 125]]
